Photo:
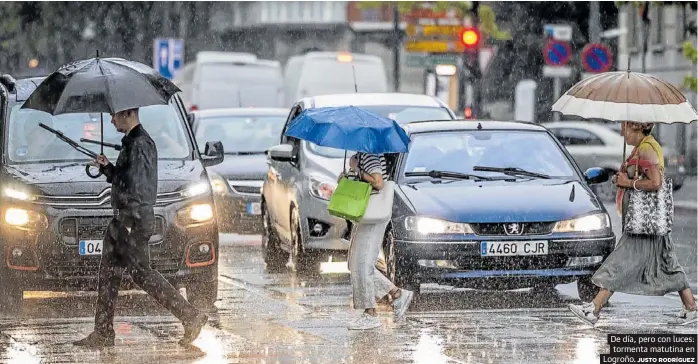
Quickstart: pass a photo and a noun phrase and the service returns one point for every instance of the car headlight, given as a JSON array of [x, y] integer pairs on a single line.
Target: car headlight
[[218, 184], [428, 225], [588, 223], [25, 219], [196, 189], [195, 214], [321, 189], [18, 194]]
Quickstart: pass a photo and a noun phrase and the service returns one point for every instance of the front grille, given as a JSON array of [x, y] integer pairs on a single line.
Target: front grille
[[103, 199], [94, 228], [499, 229], [247, 189], [89, 267]]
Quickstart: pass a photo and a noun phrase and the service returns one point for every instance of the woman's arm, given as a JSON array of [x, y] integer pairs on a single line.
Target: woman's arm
[[652, 183], [375, 179]]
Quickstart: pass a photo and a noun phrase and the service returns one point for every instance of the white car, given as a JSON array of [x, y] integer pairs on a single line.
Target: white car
[[596, 145]]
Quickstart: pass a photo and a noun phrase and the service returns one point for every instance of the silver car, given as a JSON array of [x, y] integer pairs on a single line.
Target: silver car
[[298, 230], [597, 145]]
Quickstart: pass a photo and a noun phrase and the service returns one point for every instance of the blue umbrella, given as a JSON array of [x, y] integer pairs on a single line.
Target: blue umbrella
[[349, 128]]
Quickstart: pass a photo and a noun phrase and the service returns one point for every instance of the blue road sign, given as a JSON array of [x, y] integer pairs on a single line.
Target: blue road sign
[[596, 58], [557, 53], [168, 56]]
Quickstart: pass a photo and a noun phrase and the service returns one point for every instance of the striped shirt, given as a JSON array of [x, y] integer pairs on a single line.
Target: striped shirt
[[371, 164]]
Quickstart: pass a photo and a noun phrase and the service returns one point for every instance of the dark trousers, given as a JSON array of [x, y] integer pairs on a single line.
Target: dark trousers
[[121, 251]]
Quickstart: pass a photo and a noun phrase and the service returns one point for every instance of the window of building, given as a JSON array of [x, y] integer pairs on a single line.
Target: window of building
[[656, 30]]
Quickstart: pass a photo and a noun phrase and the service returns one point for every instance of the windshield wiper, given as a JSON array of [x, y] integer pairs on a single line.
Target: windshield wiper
[[512, 171], [446, 174]]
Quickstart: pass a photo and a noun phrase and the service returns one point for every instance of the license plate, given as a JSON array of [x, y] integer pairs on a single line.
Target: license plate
[[254, 208], [90, 247], [512, 248]]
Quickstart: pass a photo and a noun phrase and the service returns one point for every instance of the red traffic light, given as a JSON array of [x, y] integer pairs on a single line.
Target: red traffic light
[[470, 37], [468, 112]]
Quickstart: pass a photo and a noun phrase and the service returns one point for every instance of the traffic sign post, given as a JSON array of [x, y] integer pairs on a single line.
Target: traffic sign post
[[596, 58], [168, 56], [557, 54]]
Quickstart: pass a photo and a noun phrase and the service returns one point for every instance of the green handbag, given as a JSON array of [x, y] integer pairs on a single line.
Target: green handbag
[[349, 199]]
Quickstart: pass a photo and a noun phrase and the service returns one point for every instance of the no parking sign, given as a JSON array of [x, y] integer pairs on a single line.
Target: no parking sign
[[596, 58]]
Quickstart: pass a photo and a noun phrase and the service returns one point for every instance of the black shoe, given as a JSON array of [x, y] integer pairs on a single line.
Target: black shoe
[[192, 328], [95, 340]]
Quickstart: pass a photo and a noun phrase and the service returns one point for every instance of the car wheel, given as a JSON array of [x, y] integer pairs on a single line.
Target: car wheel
[[606, 191], [303, 262], [394, 272], [274, 257], [202, 294], [586, 289]]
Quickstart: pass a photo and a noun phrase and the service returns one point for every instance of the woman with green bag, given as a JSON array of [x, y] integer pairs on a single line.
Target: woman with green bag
[[368, 283]]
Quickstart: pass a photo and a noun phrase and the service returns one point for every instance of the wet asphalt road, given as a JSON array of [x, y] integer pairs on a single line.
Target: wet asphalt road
[[286, 318]]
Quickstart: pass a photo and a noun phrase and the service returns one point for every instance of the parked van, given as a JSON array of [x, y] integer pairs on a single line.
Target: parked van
[[325, 73], [230, 79]]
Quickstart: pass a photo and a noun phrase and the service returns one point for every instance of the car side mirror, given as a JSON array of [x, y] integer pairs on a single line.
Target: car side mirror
[[281, 153], [213, 154], [596, 175]]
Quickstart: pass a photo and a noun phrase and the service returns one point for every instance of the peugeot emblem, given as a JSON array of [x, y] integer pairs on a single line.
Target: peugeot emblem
[[513, 229]]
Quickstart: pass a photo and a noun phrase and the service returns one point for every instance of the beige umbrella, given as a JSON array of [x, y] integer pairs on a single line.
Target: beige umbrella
[[626, 96]]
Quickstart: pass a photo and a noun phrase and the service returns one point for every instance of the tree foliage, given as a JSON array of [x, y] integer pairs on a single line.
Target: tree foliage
[[488, 19]]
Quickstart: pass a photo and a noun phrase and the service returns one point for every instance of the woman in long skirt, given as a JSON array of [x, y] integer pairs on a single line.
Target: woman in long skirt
[[367, 282], [640, 264]]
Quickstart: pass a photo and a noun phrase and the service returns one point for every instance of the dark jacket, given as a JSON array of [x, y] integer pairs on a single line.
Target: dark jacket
[[134, 177]]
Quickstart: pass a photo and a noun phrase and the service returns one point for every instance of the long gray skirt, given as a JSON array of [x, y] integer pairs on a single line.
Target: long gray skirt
[[642, 265]]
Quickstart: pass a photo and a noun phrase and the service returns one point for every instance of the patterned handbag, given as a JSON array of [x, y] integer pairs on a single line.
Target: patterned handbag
[[650, 213]]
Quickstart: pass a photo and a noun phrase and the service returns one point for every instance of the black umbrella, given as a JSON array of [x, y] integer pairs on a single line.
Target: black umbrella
[[100, 85]]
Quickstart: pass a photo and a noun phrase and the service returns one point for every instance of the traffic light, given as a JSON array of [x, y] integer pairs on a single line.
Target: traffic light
[[470, 38], [468, 113]]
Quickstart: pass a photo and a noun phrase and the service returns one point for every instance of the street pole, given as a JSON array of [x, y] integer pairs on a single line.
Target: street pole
[[595, 22], [557, 88], [396, 47]]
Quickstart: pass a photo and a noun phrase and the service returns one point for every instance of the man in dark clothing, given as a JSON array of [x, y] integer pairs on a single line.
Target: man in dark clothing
[[134, 181]]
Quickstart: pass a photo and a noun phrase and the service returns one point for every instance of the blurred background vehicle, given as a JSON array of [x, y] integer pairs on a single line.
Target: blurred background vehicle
[[230, 79], [597, 145], [246, 133], [325, 73], [302, 176]]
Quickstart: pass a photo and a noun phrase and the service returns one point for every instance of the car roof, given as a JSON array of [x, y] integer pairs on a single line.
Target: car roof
[[334, 55], [212, 56], [369, 99], [241, 111], [601, 130], [431, 126]]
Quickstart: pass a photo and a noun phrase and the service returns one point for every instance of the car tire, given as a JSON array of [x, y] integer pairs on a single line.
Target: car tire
[[395, 273], [586, 289], [202, 295], [274, 257], [303, 262], [606, 192]]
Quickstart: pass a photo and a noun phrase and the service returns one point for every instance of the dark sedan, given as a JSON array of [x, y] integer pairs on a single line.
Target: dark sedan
[[245, 133], [494, 205]]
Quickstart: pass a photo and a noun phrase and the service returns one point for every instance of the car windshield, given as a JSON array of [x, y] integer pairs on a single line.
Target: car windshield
[[29, 143], [400, 113], [461, 151], [240, 134]]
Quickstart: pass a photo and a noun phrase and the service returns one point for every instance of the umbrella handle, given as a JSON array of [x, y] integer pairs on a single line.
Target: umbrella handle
[[344, 166], [93, 176]]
